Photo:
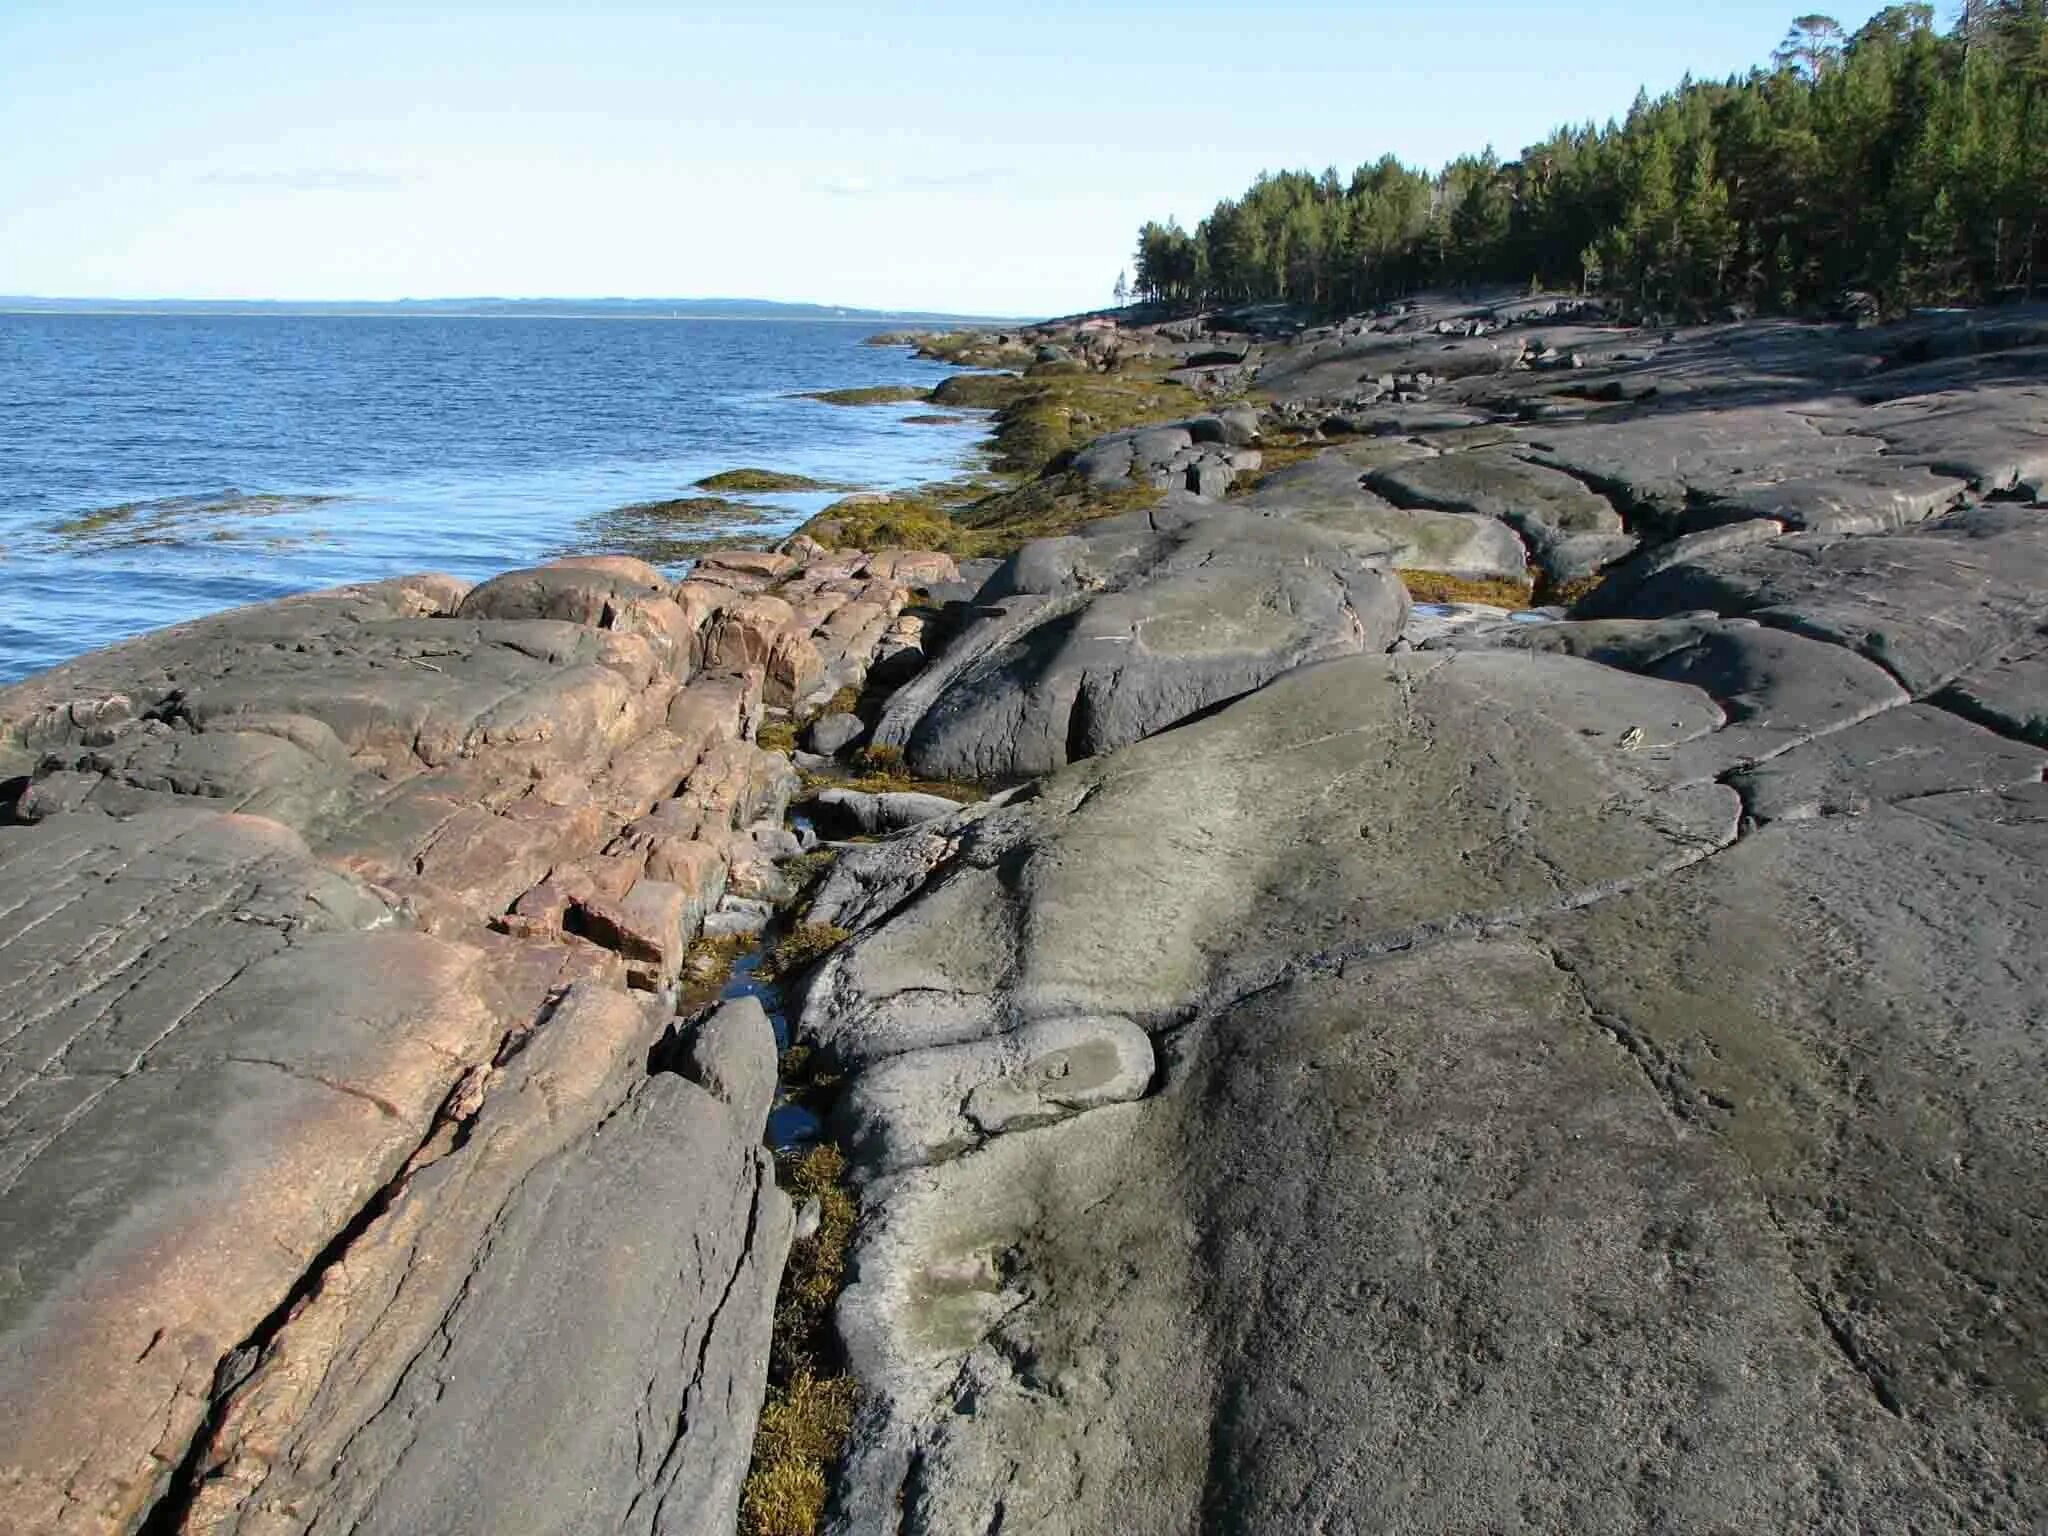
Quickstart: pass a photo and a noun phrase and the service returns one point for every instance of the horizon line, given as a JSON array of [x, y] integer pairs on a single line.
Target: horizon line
[[417, 301]]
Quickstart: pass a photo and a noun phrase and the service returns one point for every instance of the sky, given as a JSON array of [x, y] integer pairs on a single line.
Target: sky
[[968, 157]]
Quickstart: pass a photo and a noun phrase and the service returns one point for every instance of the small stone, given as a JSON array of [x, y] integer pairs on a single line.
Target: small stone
[[833, 733]]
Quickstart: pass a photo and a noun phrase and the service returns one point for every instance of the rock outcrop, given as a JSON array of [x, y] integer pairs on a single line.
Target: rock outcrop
[[340, 1193], [1092, 641], [1574, 1075], [1385, 1067]]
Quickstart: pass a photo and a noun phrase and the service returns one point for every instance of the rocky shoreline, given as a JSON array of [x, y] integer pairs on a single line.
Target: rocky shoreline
[[1498, 983]]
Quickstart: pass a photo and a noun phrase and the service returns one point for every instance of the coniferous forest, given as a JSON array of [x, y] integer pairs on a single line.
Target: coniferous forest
[[1902, 162]]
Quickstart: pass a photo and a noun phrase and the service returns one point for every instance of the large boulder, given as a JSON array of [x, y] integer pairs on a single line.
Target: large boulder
[[1144, 621], [1328, 492], [1571, 531]]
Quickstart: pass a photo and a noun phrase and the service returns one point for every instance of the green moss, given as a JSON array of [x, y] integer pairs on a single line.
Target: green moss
[[802, 947], [172, 520], [909, 520], [976, 349], [1052, 416], [1442, 587], [1565, 594], [980, 391], [874, 394], [1039, 423], [1278, 452], [706, 509], [816, 1270], [809, 1411], [672, 531], [763, 480], [880, 771], [707, 967], [805, 868], [776, 736], [1052, 505]]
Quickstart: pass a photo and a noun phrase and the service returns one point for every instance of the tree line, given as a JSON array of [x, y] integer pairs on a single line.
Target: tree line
[[1902, 161]]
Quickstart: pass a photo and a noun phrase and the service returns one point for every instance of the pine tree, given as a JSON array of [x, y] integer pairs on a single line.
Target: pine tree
[[1901, 160]]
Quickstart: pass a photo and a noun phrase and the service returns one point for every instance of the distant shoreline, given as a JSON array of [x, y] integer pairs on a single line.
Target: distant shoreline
[[488, 309]]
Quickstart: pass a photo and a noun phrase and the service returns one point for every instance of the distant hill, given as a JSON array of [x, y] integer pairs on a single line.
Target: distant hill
[[643, 309]]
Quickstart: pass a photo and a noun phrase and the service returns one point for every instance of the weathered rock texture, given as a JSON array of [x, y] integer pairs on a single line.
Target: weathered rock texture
[[1093, 641], [1577, 1076], [338, 1193], [1398, 1071]]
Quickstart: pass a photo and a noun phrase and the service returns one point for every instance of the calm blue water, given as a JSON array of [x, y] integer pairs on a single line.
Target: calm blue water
[[248, 457]]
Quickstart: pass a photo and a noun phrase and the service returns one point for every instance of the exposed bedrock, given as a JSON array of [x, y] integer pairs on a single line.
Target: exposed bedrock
[[1573, 1070], [1528, 1143], [1092, 641], [1578, 1075], [342, 1184], [1574, 1075]]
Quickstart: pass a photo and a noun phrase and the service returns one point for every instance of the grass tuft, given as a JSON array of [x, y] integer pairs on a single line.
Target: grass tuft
[[1441, 587], [803, 947], [776, 736], [1567, 594], [809, 1412], [707, 967], [802, 1432]]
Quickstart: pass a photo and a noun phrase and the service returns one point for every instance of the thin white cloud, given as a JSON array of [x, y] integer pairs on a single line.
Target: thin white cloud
[[872, 186], [305, 179]]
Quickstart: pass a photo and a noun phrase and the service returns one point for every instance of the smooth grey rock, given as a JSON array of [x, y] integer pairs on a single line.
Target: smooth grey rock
[[1927, 604], [730, 1053], [1264, 793], [1177, 611], [927, 1106], [1328, 493], [1514, 1093], [1779, 690], [1240, 425], [1905, 754], [831, 734], [2008, 692], [854, 810], [1209, 478], [1571, 531], [1873, 498], [726, 923], [1625, 577]]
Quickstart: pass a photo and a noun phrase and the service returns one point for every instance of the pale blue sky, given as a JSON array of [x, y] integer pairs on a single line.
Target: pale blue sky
[[974, 157]]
